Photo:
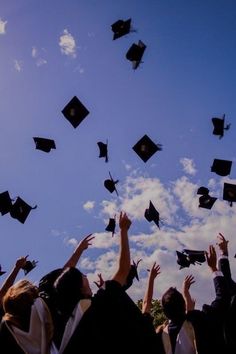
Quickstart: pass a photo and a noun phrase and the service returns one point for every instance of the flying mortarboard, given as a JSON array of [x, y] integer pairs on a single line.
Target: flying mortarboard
[[110, 184], [111, 225], [195, 256], [29, 265], [145, 148], [5, 203], [229, 193], [75, 112], [120, 28], [20, 210], [1, 271], [205, 201], [219, 126], [151, 214], [187, 257], [133, 273], [44, 144], [135, 53], [103, 150], [182, 260], [221, 167], [203, 191]]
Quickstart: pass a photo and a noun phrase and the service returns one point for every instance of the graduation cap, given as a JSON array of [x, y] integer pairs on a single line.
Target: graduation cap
[[219, 126], [135, 53], [203, 191], [1, 271], [111, 225], [20, 210], [221, 167], [182, 260], [75, 112], [133, 273], [197, 257], [187, 257], [229, 193], [151, 214], [145, 148], [120, 28], [44, 144], [5, 203], [205, 201], [103, 150], [110, 184], [29, 265]]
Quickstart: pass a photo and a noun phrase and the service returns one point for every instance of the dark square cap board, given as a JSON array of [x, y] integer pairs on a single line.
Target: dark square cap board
[[75, 112]]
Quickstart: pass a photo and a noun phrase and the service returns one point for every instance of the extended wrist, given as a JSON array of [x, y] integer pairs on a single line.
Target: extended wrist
[[214, 269]]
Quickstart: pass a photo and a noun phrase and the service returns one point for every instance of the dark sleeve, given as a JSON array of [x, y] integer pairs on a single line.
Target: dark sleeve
[[224, 266], [222, 292]]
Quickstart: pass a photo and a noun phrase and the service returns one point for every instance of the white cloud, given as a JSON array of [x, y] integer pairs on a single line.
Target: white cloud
[[41, 61], [79, 69], [18, 65], [36, 54], [3, 26], [188, 166], [185, 226], [71, 241], [89, 205], [67, 44]]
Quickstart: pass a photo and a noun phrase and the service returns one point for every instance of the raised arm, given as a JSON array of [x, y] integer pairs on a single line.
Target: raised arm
[[124, 257], [220, 283], [20, 263], [147, 300], [223, 262], [189, 301], [83, 245]]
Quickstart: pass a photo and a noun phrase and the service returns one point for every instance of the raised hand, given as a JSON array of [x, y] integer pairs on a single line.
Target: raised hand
[[211, 258], [154, 271], [222, 244], [20, 262], [100, 281], [85, 242], [124, 221], [189, 301], [188, 281]]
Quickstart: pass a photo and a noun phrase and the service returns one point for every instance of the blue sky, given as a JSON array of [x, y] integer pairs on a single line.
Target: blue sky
[[54, 50]]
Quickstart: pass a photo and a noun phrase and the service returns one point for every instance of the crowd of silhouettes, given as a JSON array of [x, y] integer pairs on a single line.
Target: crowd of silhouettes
[[62, 315]]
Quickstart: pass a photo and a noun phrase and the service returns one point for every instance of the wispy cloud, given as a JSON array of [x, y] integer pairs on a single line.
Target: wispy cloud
[[18, 65], [188, 166], [89, 205], [3, 26], [38, 57], [80, 69], [67, 44]]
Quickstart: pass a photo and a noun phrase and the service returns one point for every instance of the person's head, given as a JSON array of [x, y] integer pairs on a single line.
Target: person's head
[[173, 304], [70, 287], [18, 300]]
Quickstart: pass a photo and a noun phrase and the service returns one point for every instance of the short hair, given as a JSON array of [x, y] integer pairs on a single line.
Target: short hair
[[173, 303], [18, 300]]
